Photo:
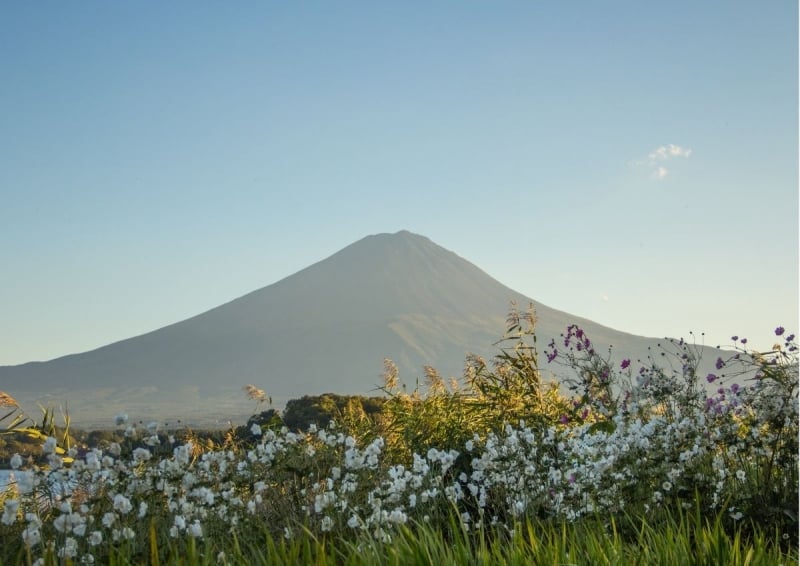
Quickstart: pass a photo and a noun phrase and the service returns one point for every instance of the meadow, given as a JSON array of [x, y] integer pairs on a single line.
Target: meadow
[[623, 462]]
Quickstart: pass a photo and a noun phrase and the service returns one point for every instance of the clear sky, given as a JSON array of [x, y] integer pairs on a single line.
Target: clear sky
[[633, 162]]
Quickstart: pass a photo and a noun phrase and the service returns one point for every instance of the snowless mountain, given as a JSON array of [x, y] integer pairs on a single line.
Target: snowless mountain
[[326, 328]]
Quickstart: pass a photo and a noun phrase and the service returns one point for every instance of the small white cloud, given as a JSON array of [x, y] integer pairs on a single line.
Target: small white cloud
[[661, 154], [668, 151]]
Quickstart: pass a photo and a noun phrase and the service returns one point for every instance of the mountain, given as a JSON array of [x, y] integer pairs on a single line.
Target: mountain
[[325, 328]]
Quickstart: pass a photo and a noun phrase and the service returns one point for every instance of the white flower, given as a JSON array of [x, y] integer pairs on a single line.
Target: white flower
[[31, 536], [120, 419], [49, 446], [16, 461], [397, 516], [95, 538], [256, 429], [54, 461], [26, 481], [10, 511], [79, 529], [142, 509], [61, 523], [741, 475], [141, 455], [108, 519], [70, 548], [122, 504], [195, 529], [33, 520]]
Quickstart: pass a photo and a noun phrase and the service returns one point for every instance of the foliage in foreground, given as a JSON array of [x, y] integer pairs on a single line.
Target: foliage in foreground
[[630, 459], [683, 539]]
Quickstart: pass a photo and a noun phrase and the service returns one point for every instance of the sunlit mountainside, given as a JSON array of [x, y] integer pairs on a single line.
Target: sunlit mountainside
[[325, 328]]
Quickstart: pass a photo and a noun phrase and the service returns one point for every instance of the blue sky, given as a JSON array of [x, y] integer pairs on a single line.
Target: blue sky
[[635, 163]]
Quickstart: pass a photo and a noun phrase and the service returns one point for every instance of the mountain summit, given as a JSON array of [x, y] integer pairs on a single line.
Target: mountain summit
[[326, 328]]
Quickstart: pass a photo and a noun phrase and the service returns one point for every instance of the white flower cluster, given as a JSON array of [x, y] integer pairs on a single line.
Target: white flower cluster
[[646, 455]]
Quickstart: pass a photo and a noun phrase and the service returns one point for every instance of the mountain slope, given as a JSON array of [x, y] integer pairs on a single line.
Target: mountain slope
[[325, 328]]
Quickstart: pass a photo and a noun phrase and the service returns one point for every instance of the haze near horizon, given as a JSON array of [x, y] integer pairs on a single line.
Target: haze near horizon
[[630, 164]]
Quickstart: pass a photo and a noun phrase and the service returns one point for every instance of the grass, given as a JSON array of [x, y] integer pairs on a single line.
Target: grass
[[683, 539], [590, 543]]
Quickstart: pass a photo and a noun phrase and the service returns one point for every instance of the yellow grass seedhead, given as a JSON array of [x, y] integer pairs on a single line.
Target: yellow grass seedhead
[[7, 400]]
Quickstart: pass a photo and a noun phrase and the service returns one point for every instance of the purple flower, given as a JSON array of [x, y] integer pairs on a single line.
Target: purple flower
[[744, 340], [564, 419], [735, 388], [711, 378], [625, 364], [720, 364], [779, 331], [734, 338], [790, 338]]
